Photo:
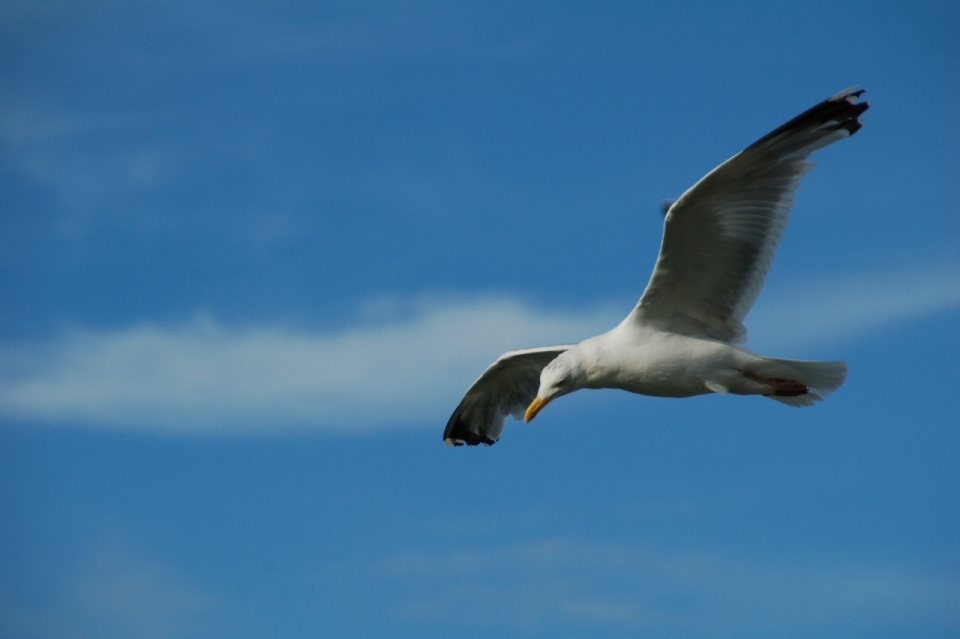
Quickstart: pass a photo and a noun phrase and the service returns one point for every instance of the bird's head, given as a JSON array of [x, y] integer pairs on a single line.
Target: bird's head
[[561, 376]]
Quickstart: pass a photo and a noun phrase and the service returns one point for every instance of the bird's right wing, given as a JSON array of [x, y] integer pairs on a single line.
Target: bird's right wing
[[506, 388]]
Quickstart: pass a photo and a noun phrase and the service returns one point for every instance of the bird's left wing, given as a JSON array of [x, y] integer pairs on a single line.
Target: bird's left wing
[[720, 236], [505, 388]]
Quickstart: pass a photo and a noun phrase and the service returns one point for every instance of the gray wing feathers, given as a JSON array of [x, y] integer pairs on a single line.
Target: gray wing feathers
[[720, 236], [505, 388]]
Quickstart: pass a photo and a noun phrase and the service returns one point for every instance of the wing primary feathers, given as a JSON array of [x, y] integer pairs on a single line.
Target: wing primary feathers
[[459, 432], [841, 109], [505, 388]]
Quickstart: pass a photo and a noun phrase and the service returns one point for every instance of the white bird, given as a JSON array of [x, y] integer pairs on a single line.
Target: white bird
[[685, 335]]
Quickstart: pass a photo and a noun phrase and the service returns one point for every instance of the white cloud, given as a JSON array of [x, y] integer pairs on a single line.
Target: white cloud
[[204, 377], [840, 308]]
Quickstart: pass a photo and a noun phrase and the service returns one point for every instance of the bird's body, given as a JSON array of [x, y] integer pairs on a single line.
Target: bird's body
[[656, 363], [646, 361], [685, 335]]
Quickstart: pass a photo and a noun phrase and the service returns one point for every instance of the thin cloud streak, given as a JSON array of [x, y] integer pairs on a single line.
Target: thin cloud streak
[[116, 586], [204, 377], [562, 581]]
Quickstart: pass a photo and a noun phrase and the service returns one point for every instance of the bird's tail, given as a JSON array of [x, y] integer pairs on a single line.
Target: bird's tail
[[811, 381]]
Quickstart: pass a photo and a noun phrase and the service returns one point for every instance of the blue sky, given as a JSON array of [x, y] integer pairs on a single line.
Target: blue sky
[[252, 255]]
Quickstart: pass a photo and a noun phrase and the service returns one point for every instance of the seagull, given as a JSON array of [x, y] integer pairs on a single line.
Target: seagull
[[685, 336]]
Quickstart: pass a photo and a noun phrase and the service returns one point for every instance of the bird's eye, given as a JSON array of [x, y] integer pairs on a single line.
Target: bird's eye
[[562, 381]]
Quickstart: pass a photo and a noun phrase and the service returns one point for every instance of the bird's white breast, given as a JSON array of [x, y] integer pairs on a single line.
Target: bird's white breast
[[657, 363]]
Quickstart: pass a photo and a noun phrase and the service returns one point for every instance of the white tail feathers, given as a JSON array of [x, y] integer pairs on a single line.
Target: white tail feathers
[[820, 378]]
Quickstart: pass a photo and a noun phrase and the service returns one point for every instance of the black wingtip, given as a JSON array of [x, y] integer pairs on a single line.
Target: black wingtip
[[852, 124], [458, 432], [841, 110], [850, 95]]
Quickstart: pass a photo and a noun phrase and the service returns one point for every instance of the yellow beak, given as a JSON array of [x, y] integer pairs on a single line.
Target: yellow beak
[[535, 407]]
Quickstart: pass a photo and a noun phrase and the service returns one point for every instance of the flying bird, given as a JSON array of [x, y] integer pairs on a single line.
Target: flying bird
[[685, 336]]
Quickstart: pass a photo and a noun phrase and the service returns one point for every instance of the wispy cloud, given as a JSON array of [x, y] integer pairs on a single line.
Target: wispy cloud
[[561, 582], [118, 586], [203, 376], [209, 35], [84, 159], [114, 588]]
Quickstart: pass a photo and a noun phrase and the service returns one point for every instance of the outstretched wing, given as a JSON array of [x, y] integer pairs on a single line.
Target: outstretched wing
[[505, 388], [720, 236]]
